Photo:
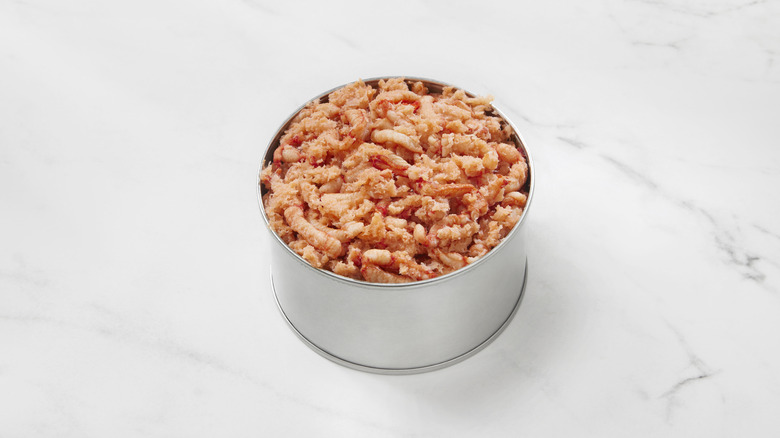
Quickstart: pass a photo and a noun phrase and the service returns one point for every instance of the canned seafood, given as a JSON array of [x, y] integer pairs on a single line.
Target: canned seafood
[[409, 327]]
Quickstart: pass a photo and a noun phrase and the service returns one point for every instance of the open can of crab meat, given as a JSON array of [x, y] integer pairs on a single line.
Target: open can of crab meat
[[409, 327]]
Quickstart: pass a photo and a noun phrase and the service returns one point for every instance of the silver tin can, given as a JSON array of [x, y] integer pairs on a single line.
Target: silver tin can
[[401, 328]]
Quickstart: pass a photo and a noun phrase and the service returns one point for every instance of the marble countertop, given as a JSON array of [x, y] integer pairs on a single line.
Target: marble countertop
[[134, 288]]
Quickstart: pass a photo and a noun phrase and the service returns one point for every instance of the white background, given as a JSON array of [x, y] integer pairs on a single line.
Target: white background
[[134, 287]]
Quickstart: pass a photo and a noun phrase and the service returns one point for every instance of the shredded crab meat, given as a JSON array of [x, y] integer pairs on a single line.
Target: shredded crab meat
[[394, 184]]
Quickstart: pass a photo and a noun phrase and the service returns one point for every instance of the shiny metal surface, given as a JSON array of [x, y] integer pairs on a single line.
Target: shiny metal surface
[[398, 371], [401, 328]]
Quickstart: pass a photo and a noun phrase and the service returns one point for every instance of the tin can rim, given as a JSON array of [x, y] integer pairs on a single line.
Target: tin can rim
[[519, 141]]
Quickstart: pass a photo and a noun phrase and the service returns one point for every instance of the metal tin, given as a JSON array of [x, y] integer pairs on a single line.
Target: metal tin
[[401, 328]]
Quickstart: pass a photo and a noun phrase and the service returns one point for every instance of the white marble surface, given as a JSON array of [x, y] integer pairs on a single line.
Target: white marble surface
[[134, 291]]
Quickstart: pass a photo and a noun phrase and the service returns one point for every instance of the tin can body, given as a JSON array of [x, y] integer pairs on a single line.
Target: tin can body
[[410, 328], [401, 328]]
